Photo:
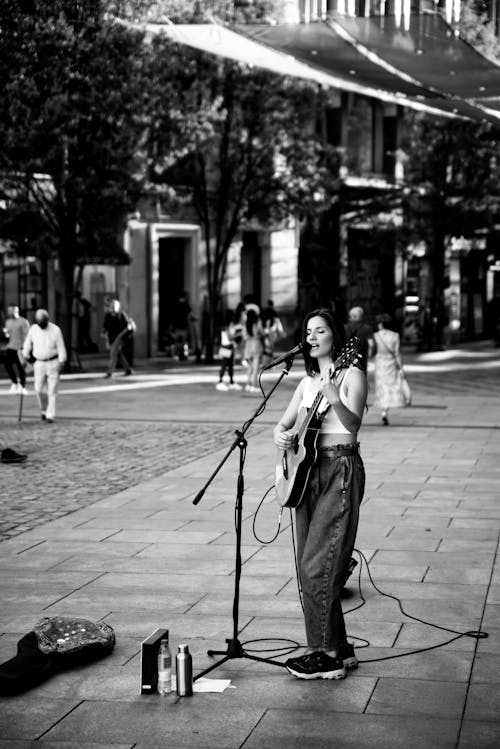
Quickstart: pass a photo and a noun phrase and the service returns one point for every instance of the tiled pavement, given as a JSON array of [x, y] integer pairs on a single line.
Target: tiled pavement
[[140, 555]]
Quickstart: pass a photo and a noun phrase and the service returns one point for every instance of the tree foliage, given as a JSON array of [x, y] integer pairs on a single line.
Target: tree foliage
[[452, 189], [249, 152], [70, 120], [452, 176]]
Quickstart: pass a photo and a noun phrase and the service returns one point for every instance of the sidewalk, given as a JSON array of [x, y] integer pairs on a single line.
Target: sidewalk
[[146, 557]]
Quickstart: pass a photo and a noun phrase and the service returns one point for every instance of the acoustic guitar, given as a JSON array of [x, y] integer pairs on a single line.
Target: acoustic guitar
[[294, 464]]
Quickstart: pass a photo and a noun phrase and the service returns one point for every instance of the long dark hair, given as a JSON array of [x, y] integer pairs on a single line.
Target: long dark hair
[[339, 338], [252, 318]]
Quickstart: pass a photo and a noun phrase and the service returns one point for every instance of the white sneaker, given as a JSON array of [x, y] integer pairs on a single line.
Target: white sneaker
[[221, 386], [14, 388], [234, 386], [22, 390]]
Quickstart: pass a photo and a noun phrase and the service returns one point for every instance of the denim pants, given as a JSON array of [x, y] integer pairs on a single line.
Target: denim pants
[[326, 522]]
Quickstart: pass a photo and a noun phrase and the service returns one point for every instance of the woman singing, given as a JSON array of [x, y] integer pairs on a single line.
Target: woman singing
[[327, 516]]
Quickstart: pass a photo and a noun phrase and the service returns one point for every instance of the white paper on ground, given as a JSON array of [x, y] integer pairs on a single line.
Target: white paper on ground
[[205, 685], [210, 685]]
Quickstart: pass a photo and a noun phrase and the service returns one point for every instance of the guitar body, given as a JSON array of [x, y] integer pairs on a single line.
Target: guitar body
[[294, 465]]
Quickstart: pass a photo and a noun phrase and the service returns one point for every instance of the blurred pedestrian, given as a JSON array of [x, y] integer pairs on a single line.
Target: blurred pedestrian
[[181, 313], [82, 312], [269, 314], [45, 343], [116, 326], [251, 304], [356, 326], [226, 355], [254, 349], [389, 375], [16, 328], [273, 329], [240, 317]]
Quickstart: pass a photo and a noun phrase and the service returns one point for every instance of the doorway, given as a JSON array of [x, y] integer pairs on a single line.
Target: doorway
[[171, 283], [251, 266]]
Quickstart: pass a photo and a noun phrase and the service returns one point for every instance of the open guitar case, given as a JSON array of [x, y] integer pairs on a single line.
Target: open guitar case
[[54, 644]]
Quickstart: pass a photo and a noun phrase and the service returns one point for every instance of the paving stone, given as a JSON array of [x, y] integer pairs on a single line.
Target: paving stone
[[287, 729], [479, 735], [28, 717], [436, 665], [486, 668], [187, 723], [482, 703], [414, 697]]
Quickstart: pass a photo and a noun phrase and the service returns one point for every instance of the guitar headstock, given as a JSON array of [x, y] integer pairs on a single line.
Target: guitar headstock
[[350, 354]]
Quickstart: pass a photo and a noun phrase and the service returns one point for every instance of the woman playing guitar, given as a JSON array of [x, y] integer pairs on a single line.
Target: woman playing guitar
[[328, 509]]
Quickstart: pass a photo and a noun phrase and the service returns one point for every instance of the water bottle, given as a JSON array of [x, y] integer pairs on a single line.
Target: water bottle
[[184, 672], [164, 668]]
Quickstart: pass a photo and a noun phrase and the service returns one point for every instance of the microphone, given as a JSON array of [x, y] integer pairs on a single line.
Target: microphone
[[285, 357]]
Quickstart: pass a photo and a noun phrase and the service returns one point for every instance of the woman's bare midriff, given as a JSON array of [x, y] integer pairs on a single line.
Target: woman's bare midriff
[[331, 440]]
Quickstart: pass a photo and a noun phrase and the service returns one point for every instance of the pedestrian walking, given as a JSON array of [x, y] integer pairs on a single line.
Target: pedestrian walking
[[356, 326], [254, 349], [181, 314], [273, 329], [82, 314], [16, 328], [226, 355], [240, 317], [327, 514], [116, 326], [45, 343], [391, 388]]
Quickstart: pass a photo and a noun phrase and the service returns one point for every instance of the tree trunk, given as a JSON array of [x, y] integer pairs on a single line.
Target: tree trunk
[[67, 274], [437, 298]]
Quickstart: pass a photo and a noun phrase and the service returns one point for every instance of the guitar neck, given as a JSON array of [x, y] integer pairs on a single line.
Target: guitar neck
[[341, 362]]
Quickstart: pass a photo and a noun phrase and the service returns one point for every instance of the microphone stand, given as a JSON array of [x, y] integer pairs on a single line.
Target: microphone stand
[[234, 647]]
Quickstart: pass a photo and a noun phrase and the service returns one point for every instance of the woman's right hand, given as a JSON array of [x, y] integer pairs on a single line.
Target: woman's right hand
[[283, 438]]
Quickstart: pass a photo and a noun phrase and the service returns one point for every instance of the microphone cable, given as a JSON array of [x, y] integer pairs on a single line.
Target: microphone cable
[[474, 634]]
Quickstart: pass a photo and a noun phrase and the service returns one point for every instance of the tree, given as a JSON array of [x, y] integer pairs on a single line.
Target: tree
[[452, 189], [452, 175], [71, 118], [236, 143]]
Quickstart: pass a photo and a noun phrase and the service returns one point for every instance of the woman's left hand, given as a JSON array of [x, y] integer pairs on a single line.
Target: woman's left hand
[[327, 385]]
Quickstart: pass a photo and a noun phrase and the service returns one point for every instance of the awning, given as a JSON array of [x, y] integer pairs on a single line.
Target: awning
[[248, 48], [427, 63], [429, 52], [426, 68]]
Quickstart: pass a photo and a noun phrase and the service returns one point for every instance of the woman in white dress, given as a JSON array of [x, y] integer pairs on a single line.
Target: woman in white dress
[[388, 368]]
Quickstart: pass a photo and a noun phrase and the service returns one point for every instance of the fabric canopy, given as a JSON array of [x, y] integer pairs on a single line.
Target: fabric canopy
[[427, 63], [247, 48], [426, 67], [429, 51]]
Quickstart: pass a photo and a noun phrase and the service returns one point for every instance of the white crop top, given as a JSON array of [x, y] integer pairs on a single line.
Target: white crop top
[[331, 423]]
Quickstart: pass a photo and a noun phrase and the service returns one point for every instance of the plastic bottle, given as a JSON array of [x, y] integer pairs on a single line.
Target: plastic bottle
[[164, 668], [184, 672]]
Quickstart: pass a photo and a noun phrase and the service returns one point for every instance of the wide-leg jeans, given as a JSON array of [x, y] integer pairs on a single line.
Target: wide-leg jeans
[[326, 523]]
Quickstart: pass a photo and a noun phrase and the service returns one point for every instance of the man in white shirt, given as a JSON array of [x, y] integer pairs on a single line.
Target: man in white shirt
[[45, 342]]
